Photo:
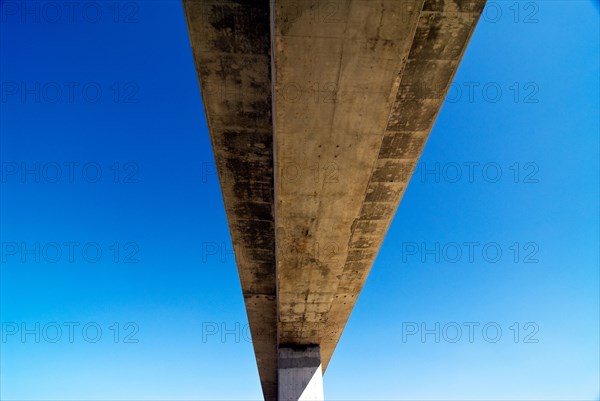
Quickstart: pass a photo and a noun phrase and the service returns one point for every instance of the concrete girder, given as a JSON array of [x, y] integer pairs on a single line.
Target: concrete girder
[[318, 112]]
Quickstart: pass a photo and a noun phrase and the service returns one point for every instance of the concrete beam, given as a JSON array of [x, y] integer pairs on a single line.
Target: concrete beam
[[231, 43], [318, 112], [347, 70], [357, 89], [441, 33]]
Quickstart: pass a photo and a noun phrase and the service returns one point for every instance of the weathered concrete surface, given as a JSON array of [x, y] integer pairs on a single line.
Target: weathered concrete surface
[[231, 42], [373, 77], [300, 373], [357, 57], [318, 112], [441, 37]]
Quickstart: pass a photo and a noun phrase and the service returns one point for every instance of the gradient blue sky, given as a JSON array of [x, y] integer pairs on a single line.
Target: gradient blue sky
[[166, 203]]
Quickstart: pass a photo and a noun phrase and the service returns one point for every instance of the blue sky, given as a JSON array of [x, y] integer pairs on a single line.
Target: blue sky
[[111, 219]]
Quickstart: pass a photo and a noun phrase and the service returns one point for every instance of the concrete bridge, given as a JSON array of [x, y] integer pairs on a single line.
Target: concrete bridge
[[318, 111]]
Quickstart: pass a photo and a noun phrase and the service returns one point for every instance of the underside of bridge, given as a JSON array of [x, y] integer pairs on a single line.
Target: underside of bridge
[[318, 112]]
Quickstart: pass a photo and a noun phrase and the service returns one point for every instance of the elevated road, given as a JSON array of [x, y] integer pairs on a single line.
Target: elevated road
[[318, 112]]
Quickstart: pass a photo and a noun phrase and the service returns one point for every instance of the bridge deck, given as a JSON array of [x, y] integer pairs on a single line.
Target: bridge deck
[[318, 112]]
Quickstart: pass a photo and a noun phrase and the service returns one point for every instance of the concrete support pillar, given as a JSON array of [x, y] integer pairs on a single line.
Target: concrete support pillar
[[300, 373]]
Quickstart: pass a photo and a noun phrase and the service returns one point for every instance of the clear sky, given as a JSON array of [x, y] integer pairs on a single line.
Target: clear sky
[[117, 280]]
